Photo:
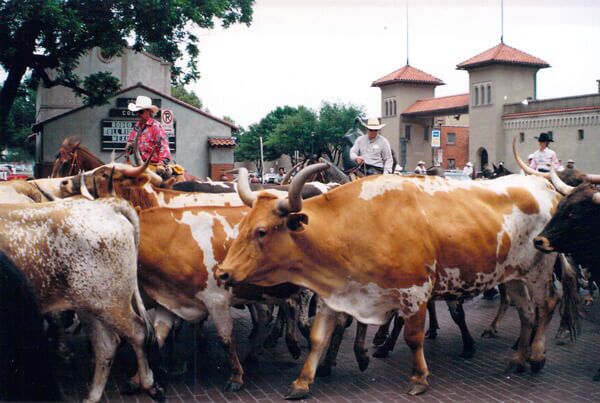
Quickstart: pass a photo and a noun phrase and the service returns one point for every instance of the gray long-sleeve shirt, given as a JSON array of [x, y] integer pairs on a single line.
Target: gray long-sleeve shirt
[[376, 152]]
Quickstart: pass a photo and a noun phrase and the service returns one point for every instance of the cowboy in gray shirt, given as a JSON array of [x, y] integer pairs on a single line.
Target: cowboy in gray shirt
[[373, 149]]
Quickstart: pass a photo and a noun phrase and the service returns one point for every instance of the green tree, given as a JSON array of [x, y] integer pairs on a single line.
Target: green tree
[[335, 119], [189, 97], [19, 122], [297, 131], [248, 143], [43, 35]]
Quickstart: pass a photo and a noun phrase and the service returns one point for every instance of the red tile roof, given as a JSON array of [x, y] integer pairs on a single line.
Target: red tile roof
[[221, 142], [516, 115], [407, 74], [502, 54], [440, 104]]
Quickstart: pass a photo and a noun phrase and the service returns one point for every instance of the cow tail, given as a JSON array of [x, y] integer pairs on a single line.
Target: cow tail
[[570, 299]]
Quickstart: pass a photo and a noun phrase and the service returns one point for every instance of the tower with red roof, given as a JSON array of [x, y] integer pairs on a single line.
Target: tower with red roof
[[498, 76]]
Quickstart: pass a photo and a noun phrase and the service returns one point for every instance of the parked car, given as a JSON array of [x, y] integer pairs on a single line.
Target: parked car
[[456, 175], [7, 173]]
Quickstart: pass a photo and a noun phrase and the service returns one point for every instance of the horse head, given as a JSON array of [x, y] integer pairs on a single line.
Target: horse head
[[72, 157], [65, 163]]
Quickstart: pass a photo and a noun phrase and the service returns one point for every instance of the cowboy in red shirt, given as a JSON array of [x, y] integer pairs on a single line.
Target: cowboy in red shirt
[[151, 133]]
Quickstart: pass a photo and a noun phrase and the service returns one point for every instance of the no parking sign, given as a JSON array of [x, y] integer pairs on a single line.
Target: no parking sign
[[167, 117]]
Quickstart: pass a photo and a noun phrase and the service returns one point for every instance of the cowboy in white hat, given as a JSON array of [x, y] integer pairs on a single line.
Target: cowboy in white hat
[[468, 169], [544, 158], [151, 134], [420, 169], [373, 150]]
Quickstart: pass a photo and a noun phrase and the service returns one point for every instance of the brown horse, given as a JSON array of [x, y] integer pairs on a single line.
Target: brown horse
[[73, 158]]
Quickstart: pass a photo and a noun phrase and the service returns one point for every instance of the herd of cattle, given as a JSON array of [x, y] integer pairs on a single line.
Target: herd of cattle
[[372, 249]]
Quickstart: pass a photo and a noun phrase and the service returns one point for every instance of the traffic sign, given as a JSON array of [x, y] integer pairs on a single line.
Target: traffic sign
[[436, 138], [167, 117]]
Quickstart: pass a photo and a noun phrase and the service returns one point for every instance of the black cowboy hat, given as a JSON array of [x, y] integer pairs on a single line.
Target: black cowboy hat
[[544, 137]]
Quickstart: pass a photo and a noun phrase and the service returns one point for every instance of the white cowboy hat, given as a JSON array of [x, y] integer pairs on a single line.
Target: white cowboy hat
[[420, 163], [142, 102], [469, 164], [372, 124], [530, 156]]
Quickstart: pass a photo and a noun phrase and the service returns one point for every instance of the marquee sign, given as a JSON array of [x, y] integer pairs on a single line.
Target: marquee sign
[[113, 134]]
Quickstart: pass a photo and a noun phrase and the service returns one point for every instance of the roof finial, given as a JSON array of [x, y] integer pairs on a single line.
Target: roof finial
[[501, 21], [407, 63]]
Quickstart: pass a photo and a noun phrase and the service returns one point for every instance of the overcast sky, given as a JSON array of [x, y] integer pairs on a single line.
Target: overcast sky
[[301, 52]]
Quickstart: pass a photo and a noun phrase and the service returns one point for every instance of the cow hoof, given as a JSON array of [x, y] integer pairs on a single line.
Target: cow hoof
[[563, 336], [176, 370], [130, 388], [294, 350], [156, 393], [363, 362], [324, 371], [596, 377], [417, 389], [489, 334], [468, 353], [296, 393], [537, 366], [380, 338], [381, 352], [515, 367], [431, 334], [233, 386]]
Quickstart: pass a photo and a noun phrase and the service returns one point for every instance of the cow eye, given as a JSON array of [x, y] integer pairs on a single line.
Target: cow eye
[[261, 232]]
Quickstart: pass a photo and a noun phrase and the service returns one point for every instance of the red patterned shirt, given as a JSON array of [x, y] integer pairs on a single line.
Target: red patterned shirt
[[152, 135]]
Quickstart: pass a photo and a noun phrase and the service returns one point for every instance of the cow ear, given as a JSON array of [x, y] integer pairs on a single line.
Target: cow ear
[[295, 221]]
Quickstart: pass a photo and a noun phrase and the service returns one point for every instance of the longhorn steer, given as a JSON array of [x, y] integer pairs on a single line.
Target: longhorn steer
[[422, 237], [176, 252], [82, 255]]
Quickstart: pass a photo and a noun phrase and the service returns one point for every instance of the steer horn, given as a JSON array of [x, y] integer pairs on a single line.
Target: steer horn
[[83, 188], [561, 186], [137, 157], [293, 204], [524, 166], [137, 171], [592, 178], [243, 188]]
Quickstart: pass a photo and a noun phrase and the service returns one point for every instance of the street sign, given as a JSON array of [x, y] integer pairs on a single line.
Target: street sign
[[436, 138], [167, 117]]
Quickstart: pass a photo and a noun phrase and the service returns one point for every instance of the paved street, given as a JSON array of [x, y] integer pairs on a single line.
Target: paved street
[[565, 378]]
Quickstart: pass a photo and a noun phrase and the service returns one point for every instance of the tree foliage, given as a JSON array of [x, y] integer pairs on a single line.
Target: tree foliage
[[288, 129], [189, 97], [52, 35], [18, 125]]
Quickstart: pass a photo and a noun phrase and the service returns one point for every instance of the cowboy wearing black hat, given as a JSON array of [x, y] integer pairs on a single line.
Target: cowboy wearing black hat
[[544, 159]]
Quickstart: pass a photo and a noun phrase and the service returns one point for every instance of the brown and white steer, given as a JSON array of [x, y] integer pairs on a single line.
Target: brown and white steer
[[179, 248], [387, 243], [82, 255]]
